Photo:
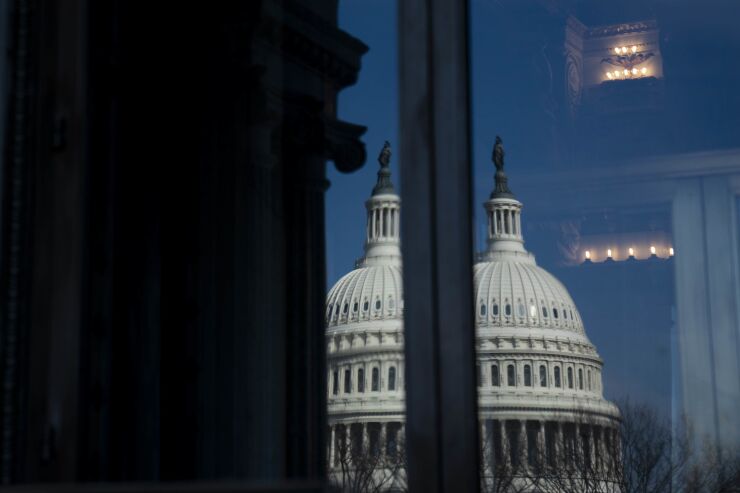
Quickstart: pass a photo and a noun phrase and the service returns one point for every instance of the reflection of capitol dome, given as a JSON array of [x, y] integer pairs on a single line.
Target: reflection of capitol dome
[[364, 317], [539, 376]]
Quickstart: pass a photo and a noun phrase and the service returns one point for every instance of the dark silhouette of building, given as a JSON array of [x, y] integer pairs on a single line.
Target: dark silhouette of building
[[162, 207]]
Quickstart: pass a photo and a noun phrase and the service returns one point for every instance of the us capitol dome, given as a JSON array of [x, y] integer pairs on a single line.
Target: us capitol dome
[[539, 376]]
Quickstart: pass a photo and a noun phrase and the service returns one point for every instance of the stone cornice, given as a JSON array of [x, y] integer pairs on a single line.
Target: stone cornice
[[538, 355], [310, 40], [618, 29], [364, 355]]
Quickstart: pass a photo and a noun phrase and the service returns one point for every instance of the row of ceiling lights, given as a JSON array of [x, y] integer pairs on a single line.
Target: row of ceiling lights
[[631, 253], [621, 74]]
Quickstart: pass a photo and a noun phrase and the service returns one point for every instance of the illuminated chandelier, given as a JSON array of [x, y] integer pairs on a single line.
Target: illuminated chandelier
[[627, 60]]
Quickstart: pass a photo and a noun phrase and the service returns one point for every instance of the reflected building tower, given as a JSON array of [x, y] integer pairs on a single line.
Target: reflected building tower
[[539, 376]]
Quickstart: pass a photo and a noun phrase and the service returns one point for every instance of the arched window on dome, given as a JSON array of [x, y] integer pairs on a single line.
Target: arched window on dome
[[378, 304], [495, 309], [543, 376], [510, 376], [335, 382], [532, 310], [570, 377], [361, 380], [565, 313], [557, 376], [482, 309], [391, 303], [346, 308], [365, 306], [554, 312], [507, 310], [347, 381], [520, 310], [544, 311], [588, 381], [494, 375], [392, 378], [375, 384], [580, 379], [355, 307], [527, 376]]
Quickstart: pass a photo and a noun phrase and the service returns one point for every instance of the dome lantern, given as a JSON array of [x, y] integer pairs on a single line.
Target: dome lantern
[[503, 211], [383, 229]]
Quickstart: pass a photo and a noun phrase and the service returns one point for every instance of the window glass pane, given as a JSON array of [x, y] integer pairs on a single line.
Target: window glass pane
[[364, 266], [599, 208]]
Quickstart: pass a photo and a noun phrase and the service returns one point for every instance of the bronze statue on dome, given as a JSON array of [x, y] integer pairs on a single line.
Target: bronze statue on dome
[[501, 189], [384, 184], [385, 155], [498, 154]]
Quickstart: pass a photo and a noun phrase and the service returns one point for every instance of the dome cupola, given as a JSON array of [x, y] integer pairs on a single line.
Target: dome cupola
[[383, 229], [374, 289]]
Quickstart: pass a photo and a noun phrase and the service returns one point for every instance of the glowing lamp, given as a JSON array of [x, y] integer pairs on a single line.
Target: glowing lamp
[[670, 251], [609, 74], [626, 72], [632, 252], [624, 49], [652, 250], [634, 49], [588, 255], [643, 70], [634, 71], [609, 252], [616, 50]]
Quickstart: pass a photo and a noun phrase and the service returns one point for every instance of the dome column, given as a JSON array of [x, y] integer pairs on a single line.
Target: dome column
[[383, 439], [578, 452], [523, 444], [347, 442], [365, 439], [541, 445], [591, 448], [559, 445], [505, 446], [332, 444]]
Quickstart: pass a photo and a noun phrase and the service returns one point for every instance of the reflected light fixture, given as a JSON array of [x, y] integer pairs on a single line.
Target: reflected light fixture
[[588, 255], [609, 252], [652, 250], [632, 252], [628, 61], [670, 251]]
